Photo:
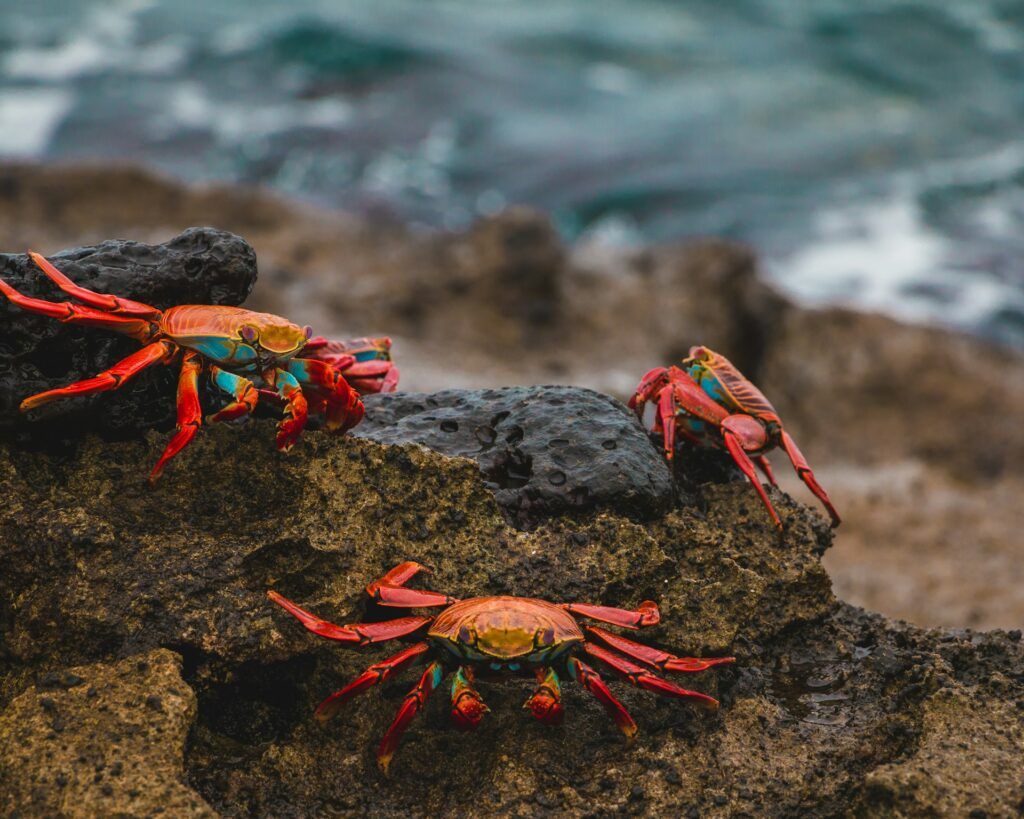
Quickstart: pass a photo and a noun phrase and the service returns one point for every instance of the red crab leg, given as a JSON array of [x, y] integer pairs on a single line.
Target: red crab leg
[[468, 707], [735, 448], [545, 703], [646, 614], [766, 467], [642, 678], [592, 681], [242, 389], [159, 352], [803, 469], [344, 409], [398, 576], [190, 413], [411, 706], [374, 675], [655, 658], [683, 393], [372, 376], [360, 633], [66, 312], [102, 301], [400, 597], [648, 387], [295, 410]]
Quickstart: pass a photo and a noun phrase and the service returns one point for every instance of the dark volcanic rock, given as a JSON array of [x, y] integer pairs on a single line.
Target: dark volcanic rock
[[200, 266], [542, 450]]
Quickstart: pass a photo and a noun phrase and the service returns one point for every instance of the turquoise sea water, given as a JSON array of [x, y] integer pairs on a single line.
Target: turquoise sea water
[[872, 149]]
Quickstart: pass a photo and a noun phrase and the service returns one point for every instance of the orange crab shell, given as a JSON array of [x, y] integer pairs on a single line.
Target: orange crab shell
[[505, 629]]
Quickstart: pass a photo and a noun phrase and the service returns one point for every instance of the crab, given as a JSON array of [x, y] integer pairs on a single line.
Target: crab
[[501, 636], [238, 350], [710, 403]]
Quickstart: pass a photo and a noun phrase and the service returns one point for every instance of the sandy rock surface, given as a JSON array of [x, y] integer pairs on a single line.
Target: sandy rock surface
[[827, 707]]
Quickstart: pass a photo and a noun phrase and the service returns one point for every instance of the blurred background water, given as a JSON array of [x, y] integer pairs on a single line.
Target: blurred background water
[[872, 150]]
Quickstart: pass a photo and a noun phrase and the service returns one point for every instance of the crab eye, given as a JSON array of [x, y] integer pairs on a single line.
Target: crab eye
[[465, 635], [547, 637], [248, 333], [308, 331]]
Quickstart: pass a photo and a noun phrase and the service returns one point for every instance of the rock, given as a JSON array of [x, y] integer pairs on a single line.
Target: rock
[[827, 706], [200, 266], [542, 450], [96, 749]]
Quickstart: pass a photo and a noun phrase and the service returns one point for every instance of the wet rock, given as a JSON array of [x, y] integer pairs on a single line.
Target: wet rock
[[542, 450], [95, 749], [199, 266]]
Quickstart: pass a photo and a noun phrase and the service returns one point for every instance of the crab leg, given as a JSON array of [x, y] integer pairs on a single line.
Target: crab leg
[[648, 387], [398, 576], [642, 678], [190, 413], [592, 681], [295, 409], [400, 597], [243, 390], [69, 313], [344, 409], [646, 614], [360, 633], [159, 352], [803, 469], [374, 675], [545, 703], [102, 301], [655, 658], [468, 707], [411, 706], [766, 467], [735, 448]]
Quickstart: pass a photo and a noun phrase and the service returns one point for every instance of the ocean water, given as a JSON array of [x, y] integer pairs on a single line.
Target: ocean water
[[873, 150]]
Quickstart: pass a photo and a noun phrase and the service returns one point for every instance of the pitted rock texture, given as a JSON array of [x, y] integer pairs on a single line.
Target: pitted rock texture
[[828, 709], [101, 740], [199, 266], [542, 450]]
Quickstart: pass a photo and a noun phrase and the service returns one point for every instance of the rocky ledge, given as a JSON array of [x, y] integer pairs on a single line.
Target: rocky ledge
[[142, 667]]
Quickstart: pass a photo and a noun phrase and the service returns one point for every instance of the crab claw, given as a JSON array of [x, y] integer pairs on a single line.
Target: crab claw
[[468, 711]]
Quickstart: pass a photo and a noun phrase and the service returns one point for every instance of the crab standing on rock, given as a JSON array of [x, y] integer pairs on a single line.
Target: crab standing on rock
[[501, 635], [239, 350], [710, 403]]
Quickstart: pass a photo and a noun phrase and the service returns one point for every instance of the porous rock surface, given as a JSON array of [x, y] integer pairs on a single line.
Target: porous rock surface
[[101, 740], [199, 266], [541, 449], [829, 710]]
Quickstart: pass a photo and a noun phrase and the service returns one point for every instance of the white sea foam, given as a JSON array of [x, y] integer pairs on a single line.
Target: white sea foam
[[880, 255], [28, 119]]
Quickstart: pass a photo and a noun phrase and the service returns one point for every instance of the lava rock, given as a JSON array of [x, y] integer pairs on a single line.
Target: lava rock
[[542, 450], [199, 266], [828, 710], [114, 756]]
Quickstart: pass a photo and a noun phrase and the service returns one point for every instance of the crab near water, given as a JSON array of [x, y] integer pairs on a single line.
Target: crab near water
[[501, 635], [242, 352], [710, 403]]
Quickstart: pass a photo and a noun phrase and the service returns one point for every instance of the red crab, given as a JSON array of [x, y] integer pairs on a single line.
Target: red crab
[[501, 635], [710, 403], [238, 350]]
